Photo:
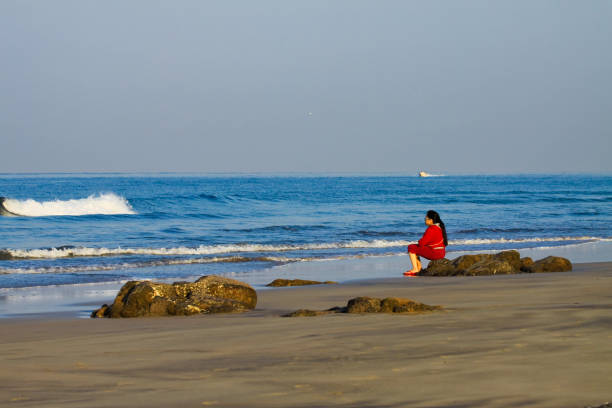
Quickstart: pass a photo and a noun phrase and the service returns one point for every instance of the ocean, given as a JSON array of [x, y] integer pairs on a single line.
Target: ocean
[[74, 229]]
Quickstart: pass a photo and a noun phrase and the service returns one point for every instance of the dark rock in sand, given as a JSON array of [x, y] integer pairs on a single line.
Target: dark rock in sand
[[513, 258], [101, 312], [209, 294], [307, 313], [276, 283], [366, 304], [363, 304], [491, 266], [487, 264], [506, 262], [399, 305], [439, 267], [464, 262], [552, 264], [526, 264]]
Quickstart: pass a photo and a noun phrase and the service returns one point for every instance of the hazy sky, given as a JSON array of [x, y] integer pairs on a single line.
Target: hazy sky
[[359, 86]]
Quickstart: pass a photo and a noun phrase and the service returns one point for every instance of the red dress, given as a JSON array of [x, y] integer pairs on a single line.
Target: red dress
[[431, 246]]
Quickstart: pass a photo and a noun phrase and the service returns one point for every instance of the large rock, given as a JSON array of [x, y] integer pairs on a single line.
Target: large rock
[[502, 263], [552, 264], [365, 304], [513, 258], [463, 263], [209, 294], [277, 283], [505, 262], [399, 305], [526, 264], [491, 266], [439, 267]]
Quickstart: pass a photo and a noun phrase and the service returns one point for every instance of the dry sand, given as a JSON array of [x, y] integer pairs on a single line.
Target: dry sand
[[542, 340]]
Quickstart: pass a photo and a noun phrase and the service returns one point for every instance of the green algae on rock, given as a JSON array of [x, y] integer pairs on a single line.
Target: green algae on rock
[[551, 264], [505, 262], [308, 313], [276, 283], [365, 304]]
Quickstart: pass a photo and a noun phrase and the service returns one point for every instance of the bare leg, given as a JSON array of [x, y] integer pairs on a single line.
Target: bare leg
[[416, 263]]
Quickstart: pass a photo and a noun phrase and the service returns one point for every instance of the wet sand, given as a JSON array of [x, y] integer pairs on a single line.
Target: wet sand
[[537, 340]]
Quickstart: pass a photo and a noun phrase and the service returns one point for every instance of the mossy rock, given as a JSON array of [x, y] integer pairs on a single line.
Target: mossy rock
[[307, 313], [552, 264], [209, 294], [513, 258], [277, 283], [526, 264], [490, 267], [502, 263], [463, 263], [399, 305], [366, 304], [439, 267], [363, 304]]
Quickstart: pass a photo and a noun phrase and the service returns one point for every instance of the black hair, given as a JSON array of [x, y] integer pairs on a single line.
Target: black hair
[[435, 217]]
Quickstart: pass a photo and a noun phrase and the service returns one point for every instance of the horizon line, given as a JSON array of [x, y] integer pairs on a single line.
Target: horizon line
[[318, 173]]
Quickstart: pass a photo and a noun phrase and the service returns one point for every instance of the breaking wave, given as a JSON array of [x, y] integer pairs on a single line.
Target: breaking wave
[[106, 204], [145, 264], [69, 252], [277, 260]]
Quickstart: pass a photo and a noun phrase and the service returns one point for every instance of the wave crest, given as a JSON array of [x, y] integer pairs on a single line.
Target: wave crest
[[69, 252], [105, 204]]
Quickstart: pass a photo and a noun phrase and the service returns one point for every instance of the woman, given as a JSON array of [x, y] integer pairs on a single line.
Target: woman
[[431, 246]]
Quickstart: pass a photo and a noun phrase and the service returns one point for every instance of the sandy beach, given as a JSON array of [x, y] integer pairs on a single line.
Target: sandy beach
[[156, 152], [537, 340]]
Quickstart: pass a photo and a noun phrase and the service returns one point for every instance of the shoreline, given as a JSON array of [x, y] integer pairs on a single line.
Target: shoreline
[[78, 300], [538, 340]]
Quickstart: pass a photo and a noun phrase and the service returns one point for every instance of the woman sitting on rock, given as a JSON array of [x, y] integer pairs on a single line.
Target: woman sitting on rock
[[431, 246]]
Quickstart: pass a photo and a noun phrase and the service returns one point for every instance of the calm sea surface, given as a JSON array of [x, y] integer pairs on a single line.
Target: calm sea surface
[[81, 228]]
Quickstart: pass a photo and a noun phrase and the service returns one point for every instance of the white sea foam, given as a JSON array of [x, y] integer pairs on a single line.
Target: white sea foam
[[107, 203], [485, 241], [278, 260], [127, 265], [572, 242], [201, 250], [257, 248]]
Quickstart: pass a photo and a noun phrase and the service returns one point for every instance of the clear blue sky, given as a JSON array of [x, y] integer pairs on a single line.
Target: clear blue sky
[[358, 86]]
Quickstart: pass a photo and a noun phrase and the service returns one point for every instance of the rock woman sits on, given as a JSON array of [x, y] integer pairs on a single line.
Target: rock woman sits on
[[431, 246]]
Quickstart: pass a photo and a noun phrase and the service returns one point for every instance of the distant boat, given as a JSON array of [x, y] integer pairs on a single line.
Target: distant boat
[[424, 174]]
